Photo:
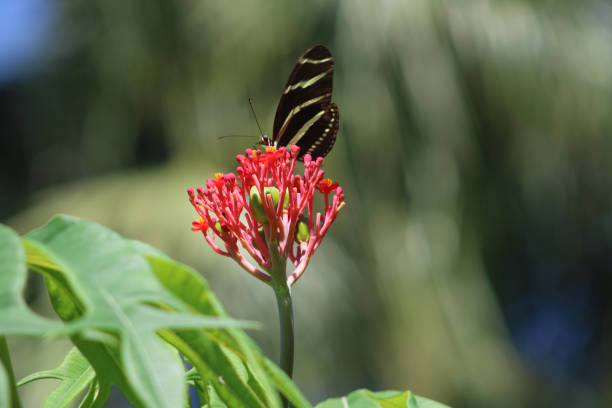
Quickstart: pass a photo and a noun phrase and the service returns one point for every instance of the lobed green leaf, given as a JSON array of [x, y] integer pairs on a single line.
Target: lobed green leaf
[[118, 299]]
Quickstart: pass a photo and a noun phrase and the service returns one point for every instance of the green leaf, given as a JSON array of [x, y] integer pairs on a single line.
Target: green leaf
[[15, 316], [76, 375], [381, 399], [212, 399], [423, 402], [99, 280]]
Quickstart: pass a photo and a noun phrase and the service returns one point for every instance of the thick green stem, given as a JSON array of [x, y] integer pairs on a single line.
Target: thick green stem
[[285, 315], [285, 311], [5, 359]]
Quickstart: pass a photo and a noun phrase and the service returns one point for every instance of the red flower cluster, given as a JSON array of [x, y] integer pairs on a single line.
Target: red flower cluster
[[267, 210]]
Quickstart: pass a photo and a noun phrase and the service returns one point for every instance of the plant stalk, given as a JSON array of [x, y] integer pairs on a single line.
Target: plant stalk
[[285, 315], [285, 312], [5, 359]]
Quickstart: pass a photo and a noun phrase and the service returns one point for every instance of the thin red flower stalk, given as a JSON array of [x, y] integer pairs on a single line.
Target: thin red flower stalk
[[282, 220]]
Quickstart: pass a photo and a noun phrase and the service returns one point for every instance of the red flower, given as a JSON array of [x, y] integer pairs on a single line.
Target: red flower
[[199, 225], [267, 211]]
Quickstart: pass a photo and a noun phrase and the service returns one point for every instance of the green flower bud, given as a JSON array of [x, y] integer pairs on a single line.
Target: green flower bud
[[256, 203], [218, 227], [302, 233], [257, 207], [273, 191]]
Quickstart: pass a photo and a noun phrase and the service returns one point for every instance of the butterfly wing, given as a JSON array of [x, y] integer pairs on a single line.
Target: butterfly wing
[[306, 116]]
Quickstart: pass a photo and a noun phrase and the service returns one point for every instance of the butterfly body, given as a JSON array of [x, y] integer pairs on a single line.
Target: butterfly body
[[305, 115]]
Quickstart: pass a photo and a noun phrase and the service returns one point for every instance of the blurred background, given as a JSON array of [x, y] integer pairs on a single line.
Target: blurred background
[[472, 263]]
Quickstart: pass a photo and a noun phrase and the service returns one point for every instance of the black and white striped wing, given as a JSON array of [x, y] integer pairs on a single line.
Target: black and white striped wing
[[306, 116]]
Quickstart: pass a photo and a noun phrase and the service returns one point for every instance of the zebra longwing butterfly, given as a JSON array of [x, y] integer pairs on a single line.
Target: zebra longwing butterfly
[[305, 115]]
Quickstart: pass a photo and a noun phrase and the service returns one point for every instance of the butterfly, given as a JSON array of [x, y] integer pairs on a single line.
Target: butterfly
[[305, 115]]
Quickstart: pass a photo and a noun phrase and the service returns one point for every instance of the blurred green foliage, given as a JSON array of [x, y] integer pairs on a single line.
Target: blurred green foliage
[[472, 262]]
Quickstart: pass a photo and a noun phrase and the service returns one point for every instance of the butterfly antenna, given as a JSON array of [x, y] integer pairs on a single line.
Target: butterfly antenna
[[226, 136], [255, 116]]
